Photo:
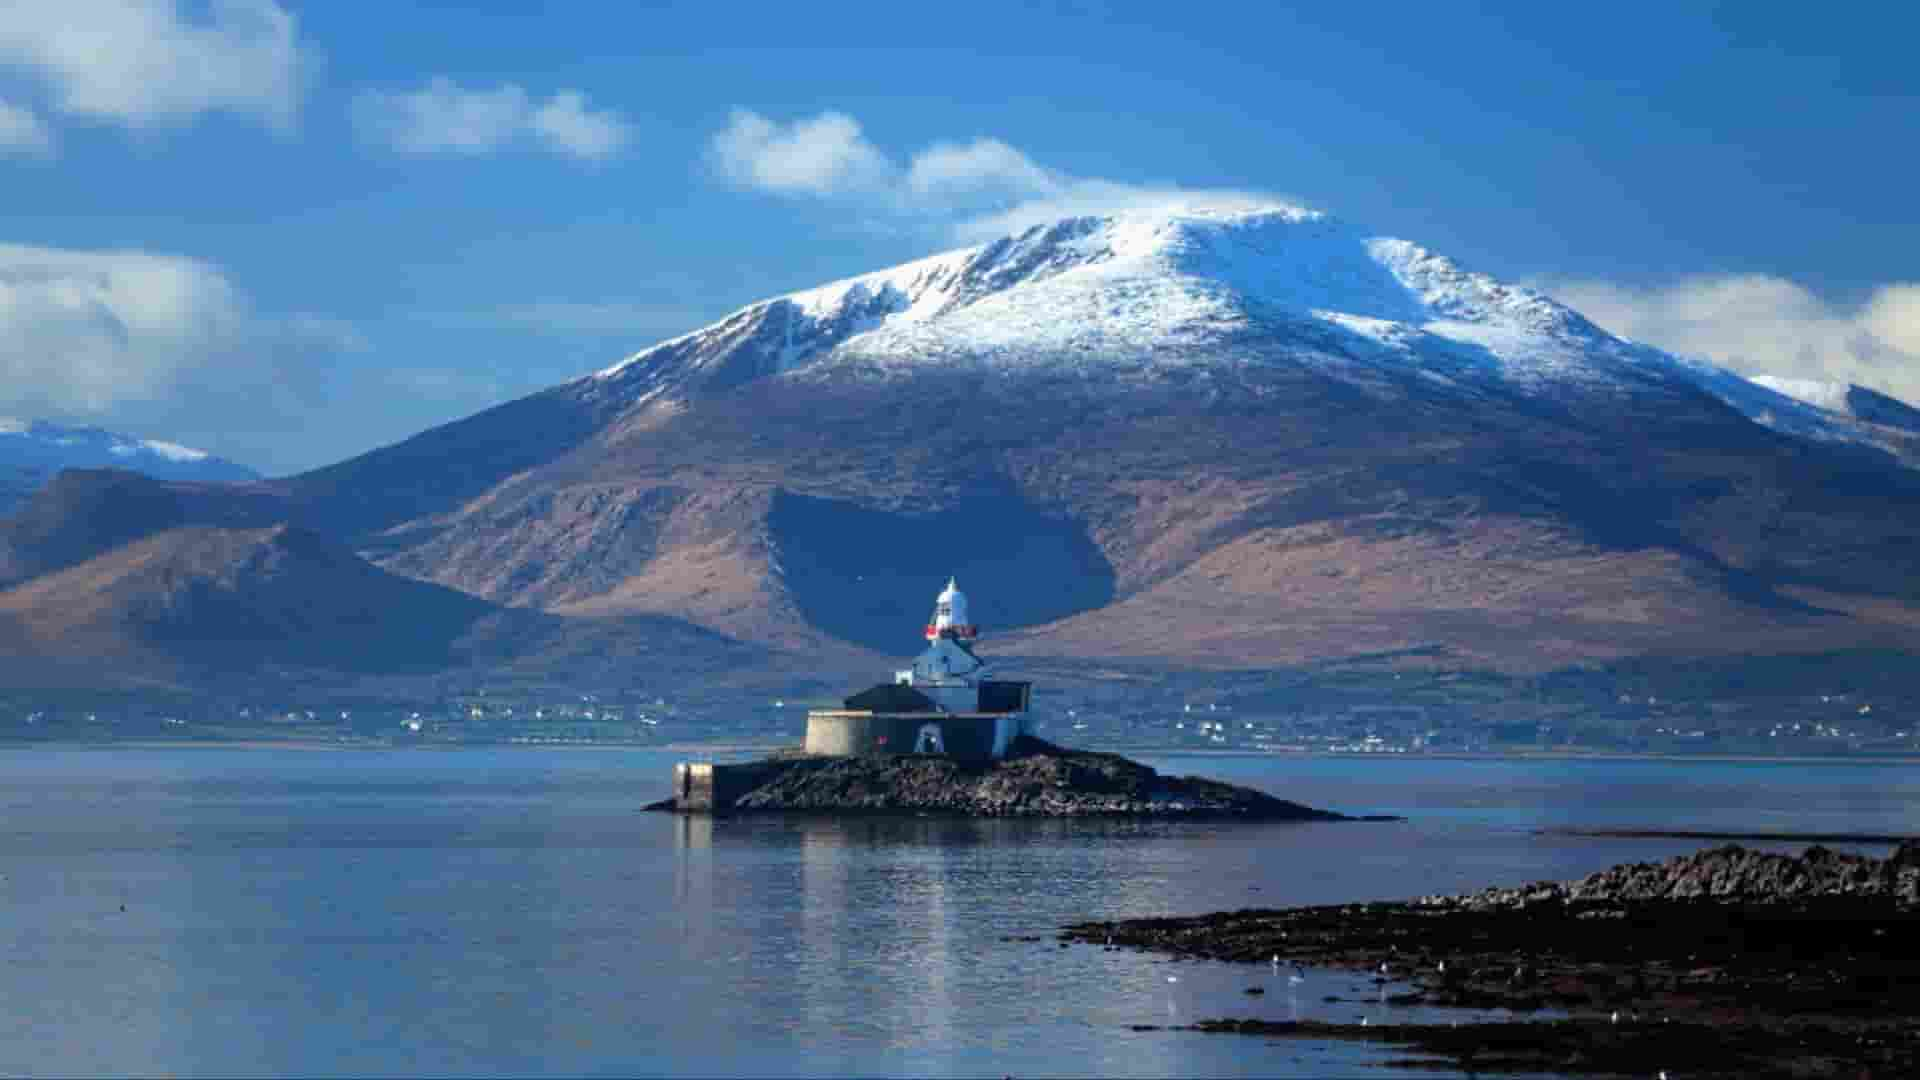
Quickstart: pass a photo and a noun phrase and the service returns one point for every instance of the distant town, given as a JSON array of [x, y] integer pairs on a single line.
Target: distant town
[[1351, 712]]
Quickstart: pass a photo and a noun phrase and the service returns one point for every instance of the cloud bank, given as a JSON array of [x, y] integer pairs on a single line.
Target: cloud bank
[[163, 343], [146, 63], [445, 118], [978, 188], [1762, 325]]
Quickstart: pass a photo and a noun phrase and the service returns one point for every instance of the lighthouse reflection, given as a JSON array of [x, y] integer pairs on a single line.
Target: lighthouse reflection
[[919, 934], [891, 933]]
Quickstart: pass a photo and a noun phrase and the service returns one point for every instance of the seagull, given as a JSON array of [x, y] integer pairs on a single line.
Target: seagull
[[1173, 978], [1443, 967], [1616, 1016], [1363, 1023]]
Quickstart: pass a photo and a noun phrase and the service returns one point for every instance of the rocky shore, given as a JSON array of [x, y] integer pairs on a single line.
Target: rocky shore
[[1726, 962], [1036, 779]]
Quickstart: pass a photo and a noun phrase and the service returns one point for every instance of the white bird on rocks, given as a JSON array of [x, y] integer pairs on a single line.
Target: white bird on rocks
[[1173, 978], [1616, 1016]]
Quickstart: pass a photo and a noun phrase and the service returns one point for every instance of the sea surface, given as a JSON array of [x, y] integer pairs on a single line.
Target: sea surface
[[218, 912]]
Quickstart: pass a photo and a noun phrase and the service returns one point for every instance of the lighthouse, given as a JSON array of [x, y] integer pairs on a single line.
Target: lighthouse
[[949, 672], [950, 616], [943, 704]]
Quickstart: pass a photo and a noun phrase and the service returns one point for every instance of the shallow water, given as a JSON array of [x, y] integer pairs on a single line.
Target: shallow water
[[508, 911]]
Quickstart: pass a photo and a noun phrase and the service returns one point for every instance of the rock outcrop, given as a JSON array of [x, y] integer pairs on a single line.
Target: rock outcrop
[[1727, 962], [1730, 873], [1037, 779]]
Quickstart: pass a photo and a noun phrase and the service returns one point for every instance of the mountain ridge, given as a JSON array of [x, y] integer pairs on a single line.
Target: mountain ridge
[[1189, 438], [33, 452]]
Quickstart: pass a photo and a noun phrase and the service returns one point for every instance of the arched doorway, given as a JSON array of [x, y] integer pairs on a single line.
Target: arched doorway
[[930, 740]]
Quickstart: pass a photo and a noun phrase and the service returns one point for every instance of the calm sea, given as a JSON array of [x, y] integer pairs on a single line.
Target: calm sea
[[245, 912]]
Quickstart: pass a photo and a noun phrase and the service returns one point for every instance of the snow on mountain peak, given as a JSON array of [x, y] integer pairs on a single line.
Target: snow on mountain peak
[[42, 444], [1827, 395], [1136, 285], [1143, 290]]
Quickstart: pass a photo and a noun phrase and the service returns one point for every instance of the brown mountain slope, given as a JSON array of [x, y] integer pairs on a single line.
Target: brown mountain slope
[[1283, 512], [82, 513], [198, 605]]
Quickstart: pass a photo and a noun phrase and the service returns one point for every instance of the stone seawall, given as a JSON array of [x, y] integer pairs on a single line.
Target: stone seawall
[[704, 786], [967, 736]]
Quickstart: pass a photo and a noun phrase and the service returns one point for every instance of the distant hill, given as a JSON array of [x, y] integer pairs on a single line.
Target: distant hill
[[125, 583], [33, 452]]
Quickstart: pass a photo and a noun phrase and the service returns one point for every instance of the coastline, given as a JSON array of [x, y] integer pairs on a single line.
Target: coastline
[[1773, 965], [738, 746]]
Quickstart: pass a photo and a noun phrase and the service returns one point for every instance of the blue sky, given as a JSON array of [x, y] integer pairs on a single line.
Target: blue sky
[[289, 232]]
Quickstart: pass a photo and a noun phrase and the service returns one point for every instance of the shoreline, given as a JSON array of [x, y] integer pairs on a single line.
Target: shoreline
[[1770, 965], [1705, 834], [734, 746], [1541, 755]]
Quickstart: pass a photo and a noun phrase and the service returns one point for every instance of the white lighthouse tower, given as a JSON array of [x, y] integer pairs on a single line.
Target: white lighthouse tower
[[944, 703], [948, 672]]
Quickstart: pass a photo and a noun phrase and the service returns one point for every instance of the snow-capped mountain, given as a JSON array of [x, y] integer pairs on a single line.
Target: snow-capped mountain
[[1848, 399], [32, 452], [41, 443], [1241, 436], [1130, 293], [1182, 285]]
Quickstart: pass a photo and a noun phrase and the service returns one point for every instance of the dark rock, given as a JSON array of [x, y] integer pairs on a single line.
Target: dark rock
[[1036, 779], [1754, 963], [1595, 1047]]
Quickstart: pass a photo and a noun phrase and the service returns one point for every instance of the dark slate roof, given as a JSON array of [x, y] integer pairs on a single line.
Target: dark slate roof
[[892, 697]]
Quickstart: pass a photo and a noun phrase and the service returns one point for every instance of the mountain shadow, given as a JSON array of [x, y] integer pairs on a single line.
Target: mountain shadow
[[868, 576]]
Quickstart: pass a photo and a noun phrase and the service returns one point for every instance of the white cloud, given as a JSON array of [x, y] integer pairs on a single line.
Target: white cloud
[[954, 171], [976, 189], [445, 118], [567, 125], [153, 342], [826, 155], [22, 133], [1762, 325], [142, 63]]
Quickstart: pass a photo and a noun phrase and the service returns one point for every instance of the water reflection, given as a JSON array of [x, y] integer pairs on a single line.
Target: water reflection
[[511, 912]]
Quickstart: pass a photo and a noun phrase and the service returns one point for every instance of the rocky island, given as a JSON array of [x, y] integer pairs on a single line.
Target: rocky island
[[1034, 779], [945, 738], [1726, 962]]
